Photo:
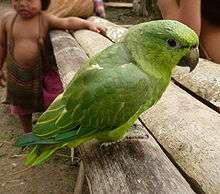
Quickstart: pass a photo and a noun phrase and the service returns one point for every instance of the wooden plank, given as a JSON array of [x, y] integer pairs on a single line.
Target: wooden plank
[[196, 120], [138, 166], [69, 55], [190, 132], [131, 166], [80, 180], [95, 48], [118, 4], [114, 32], [204, 80]]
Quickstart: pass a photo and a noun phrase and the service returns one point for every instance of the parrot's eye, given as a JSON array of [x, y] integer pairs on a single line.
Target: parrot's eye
[[173, 43]]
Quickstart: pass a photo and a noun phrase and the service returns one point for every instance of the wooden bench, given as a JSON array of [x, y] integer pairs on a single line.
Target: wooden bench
[[179, 151]]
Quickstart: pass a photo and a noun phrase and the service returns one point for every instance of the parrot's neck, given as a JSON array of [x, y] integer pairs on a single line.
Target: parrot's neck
[[150, 62], [157, 70], [153, 67]]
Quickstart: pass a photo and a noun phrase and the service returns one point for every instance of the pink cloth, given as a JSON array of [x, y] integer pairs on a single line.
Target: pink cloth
[[20, 110], [51, 86], [99, 8]]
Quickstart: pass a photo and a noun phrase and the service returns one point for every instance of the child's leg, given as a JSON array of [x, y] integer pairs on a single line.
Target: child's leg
[[26, 121], [25, 116]]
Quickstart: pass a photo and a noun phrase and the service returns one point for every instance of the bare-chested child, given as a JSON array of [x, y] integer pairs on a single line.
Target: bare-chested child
[[203, 16], [32, 83]]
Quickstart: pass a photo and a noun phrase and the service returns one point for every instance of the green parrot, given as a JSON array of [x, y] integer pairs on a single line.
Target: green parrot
[[113, 88]]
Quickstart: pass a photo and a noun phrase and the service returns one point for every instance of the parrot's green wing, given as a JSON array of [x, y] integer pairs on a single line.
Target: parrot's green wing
[[102, 97]]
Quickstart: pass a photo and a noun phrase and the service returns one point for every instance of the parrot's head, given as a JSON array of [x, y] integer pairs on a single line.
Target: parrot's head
[[158, 46]]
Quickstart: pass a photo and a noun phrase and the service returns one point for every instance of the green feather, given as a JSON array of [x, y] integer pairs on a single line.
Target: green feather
[[30, 139], [40, 153]]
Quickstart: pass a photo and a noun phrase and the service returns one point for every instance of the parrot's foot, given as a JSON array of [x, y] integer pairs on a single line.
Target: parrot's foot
[[75, 161], [136, 132], [108, 144], [136, 137], [128, 137]]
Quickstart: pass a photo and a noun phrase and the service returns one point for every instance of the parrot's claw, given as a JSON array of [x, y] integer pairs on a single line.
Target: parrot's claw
[[136, 137], [76, 161], [135, 133], [128, 137]]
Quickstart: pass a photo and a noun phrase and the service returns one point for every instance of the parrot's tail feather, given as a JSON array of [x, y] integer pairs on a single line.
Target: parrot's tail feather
[[41, 153], [31, 139], [46, 146], [32, 156]]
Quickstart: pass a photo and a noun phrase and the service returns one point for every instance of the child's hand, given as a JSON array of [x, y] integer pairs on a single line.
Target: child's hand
[[96, 28], [2, 78]]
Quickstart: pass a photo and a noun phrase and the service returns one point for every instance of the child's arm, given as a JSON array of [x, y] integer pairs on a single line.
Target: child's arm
[[190, 14], [185, 11], [74, 23], [169, 9], [3, 49]]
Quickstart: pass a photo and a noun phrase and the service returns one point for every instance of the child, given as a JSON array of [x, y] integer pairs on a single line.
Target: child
[[203, 16], [32, 83]]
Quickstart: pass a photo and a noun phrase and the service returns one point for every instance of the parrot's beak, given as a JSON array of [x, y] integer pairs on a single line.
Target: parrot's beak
[[191, 59]]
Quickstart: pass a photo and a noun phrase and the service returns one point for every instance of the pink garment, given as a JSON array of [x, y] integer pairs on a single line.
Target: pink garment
[[51, 86], [20, 110], [99, 8]]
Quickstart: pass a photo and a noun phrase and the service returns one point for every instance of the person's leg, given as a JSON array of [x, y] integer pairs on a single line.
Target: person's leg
[[26, 121], [25, 116]]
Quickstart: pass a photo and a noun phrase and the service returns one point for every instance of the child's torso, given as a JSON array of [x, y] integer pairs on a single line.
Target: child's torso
[[25, 39]]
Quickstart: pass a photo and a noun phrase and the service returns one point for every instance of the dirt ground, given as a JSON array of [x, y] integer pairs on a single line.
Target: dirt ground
[[58, 175]]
